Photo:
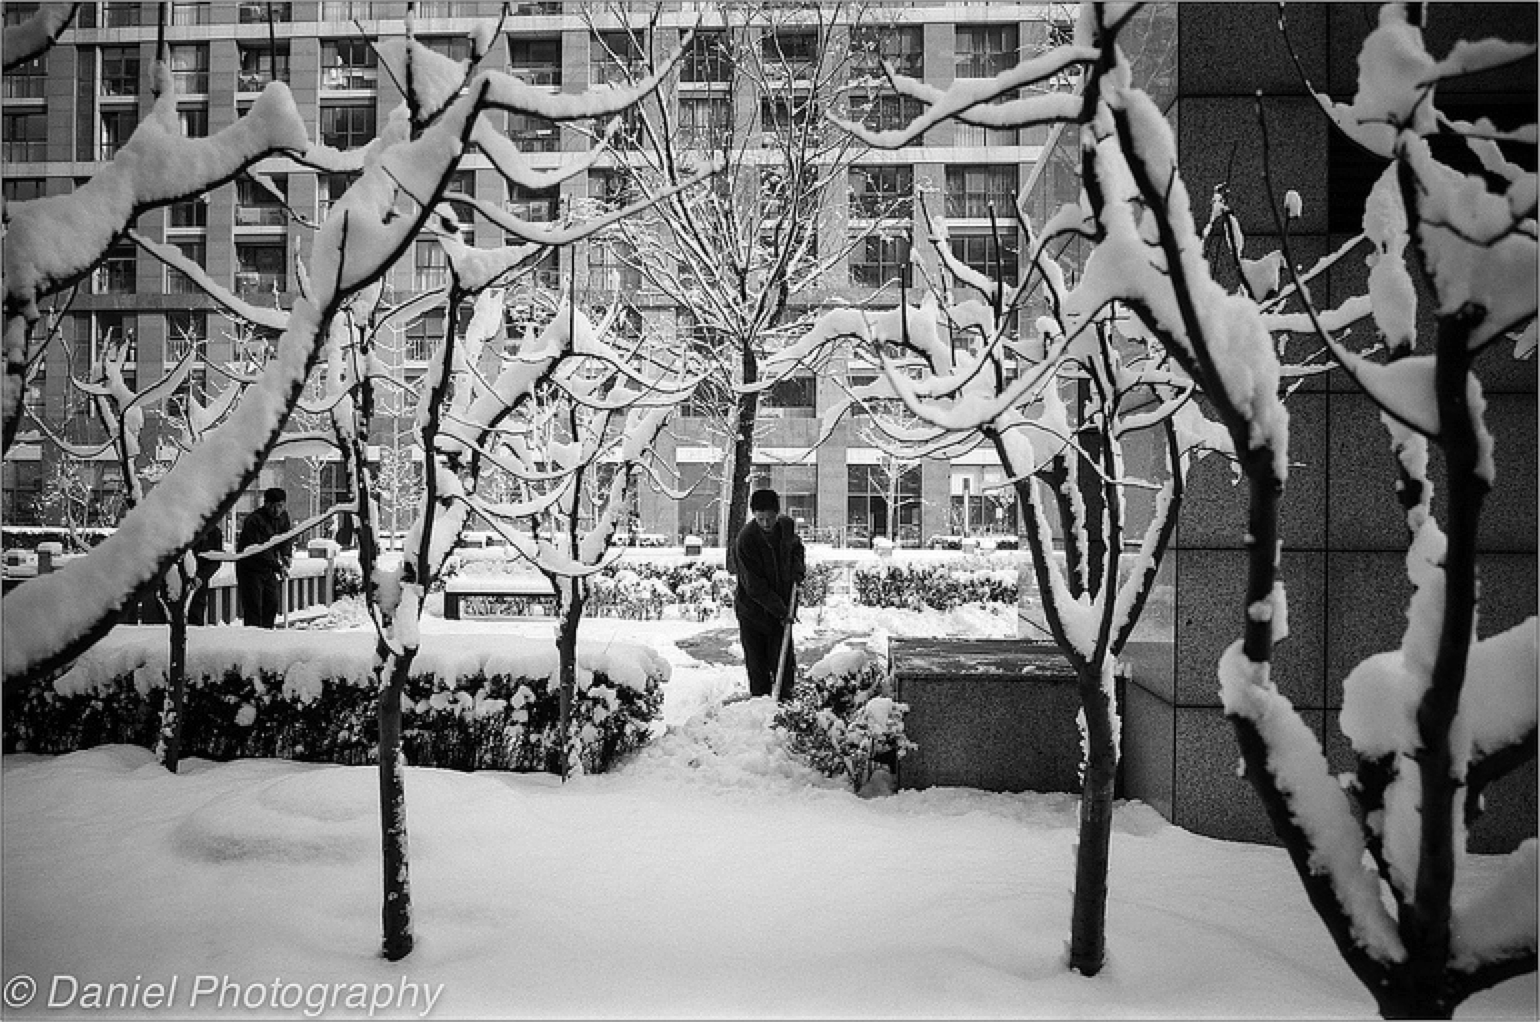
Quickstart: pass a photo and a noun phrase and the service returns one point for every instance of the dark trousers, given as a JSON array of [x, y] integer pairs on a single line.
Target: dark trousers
[[259, 592], [761, 647]]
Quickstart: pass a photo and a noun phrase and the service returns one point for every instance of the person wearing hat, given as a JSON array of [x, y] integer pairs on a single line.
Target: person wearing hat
[[259, 577], [770, 561]]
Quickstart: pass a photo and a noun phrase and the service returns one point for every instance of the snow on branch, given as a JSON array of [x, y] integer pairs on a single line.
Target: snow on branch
[[36, 35]]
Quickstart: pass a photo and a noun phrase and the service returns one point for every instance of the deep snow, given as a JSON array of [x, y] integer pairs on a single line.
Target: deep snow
[[709, 876]]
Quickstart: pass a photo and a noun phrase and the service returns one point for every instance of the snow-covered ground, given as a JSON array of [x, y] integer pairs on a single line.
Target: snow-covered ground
[[709, 876]]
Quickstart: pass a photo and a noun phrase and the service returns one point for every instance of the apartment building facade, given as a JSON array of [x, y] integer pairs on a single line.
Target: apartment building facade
[[71, 109]]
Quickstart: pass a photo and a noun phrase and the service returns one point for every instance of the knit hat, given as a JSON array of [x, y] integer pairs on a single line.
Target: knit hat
[[274, 495]]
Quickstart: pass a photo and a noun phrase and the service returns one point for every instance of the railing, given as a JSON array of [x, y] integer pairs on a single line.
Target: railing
[[190, 14], [537, 74], [25, 86], [258, 13], [249, 283], [114, 279], [191, 83], [260, 216], [345, 78]]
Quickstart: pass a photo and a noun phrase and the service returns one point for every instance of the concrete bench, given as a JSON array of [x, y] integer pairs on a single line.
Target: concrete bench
[[498, 596], [993, 714]]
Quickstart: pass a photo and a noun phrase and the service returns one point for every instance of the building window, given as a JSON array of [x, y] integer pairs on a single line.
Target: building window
[[795, 397], [331, 189], [261, 269], [120, 70], [21, 189], [115, 275], [28, 80], [705, 123], [25, 136], [117, 127], [609, 271], [256, 206], [257, 12], [779, 118], [348, 64], [984, 51], [537, 61], [881, 110], [190, 68], [788, 55], [430, 266], [617, 57], [190, 14], [881, 193], [537, 206], [347, 10], [612, 189], [177, 282], [877, 260], [977, 135], [347, 127], [120, 14], [441, 9], [708, 59], [193, 212], [422, 334], [902, 46], [972, 191], [534, 134], [979, 252], [261, 65], [186, 329], [194, 121], [871, 492], [455, 47]]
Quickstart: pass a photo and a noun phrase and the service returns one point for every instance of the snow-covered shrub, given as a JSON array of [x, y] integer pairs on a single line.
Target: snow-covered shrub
[[347, 578], [311, 699], [842, 718], [815, 587], [916, 587]]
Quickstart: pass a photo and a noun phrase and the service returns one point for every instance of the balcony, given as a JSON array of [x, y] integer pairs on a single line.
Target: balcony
[[249, 283], [260, 216], [350, 78], [113, 278], [257, 13], [537, 74]]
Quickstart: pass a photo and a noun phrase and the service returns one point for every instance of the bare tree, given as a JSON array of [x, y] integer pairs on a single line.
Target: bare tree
[[1435, 721], [749, 260]]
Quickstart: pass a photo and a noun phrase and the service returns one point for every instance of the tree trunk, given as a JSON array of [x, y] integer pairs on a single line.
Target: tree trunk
[[396, 912], [169, 747], [1088, 923], [742, 456], [566, 658]]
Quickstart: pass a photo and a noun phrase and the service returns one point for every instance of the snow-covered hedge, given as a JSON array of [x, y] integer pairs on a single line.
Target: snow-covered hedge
[[472, 701], [842, 717], [643, 590], [938, 587]]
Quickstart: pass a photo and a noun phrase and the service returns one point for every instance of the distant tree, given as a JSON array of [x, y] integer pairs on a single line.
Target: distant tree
[[751, 258]]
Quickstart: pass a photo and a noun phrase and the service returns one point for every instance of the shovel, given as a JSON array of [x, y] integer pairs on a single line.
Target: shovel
[[780, 664]]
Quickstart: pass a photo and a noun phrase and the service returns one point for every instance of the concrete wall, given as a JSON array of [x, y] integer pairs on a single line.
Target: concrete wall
[[1343, 532]]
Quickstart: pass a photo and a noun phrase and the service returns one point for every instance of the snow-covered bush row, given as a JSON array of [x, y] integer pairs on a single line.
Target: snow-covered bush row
[[842, 718], [641, 590], [934, 586], [472, 704]]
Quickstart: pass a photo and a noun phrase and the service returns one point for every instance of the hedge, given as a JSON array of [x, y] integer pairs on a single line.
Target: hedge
[[310, 696]]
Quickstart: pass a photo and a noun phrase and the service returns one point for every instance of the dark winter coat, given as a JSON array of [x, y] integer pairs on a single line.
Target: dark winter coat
[[769, 564], [260, 526]]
